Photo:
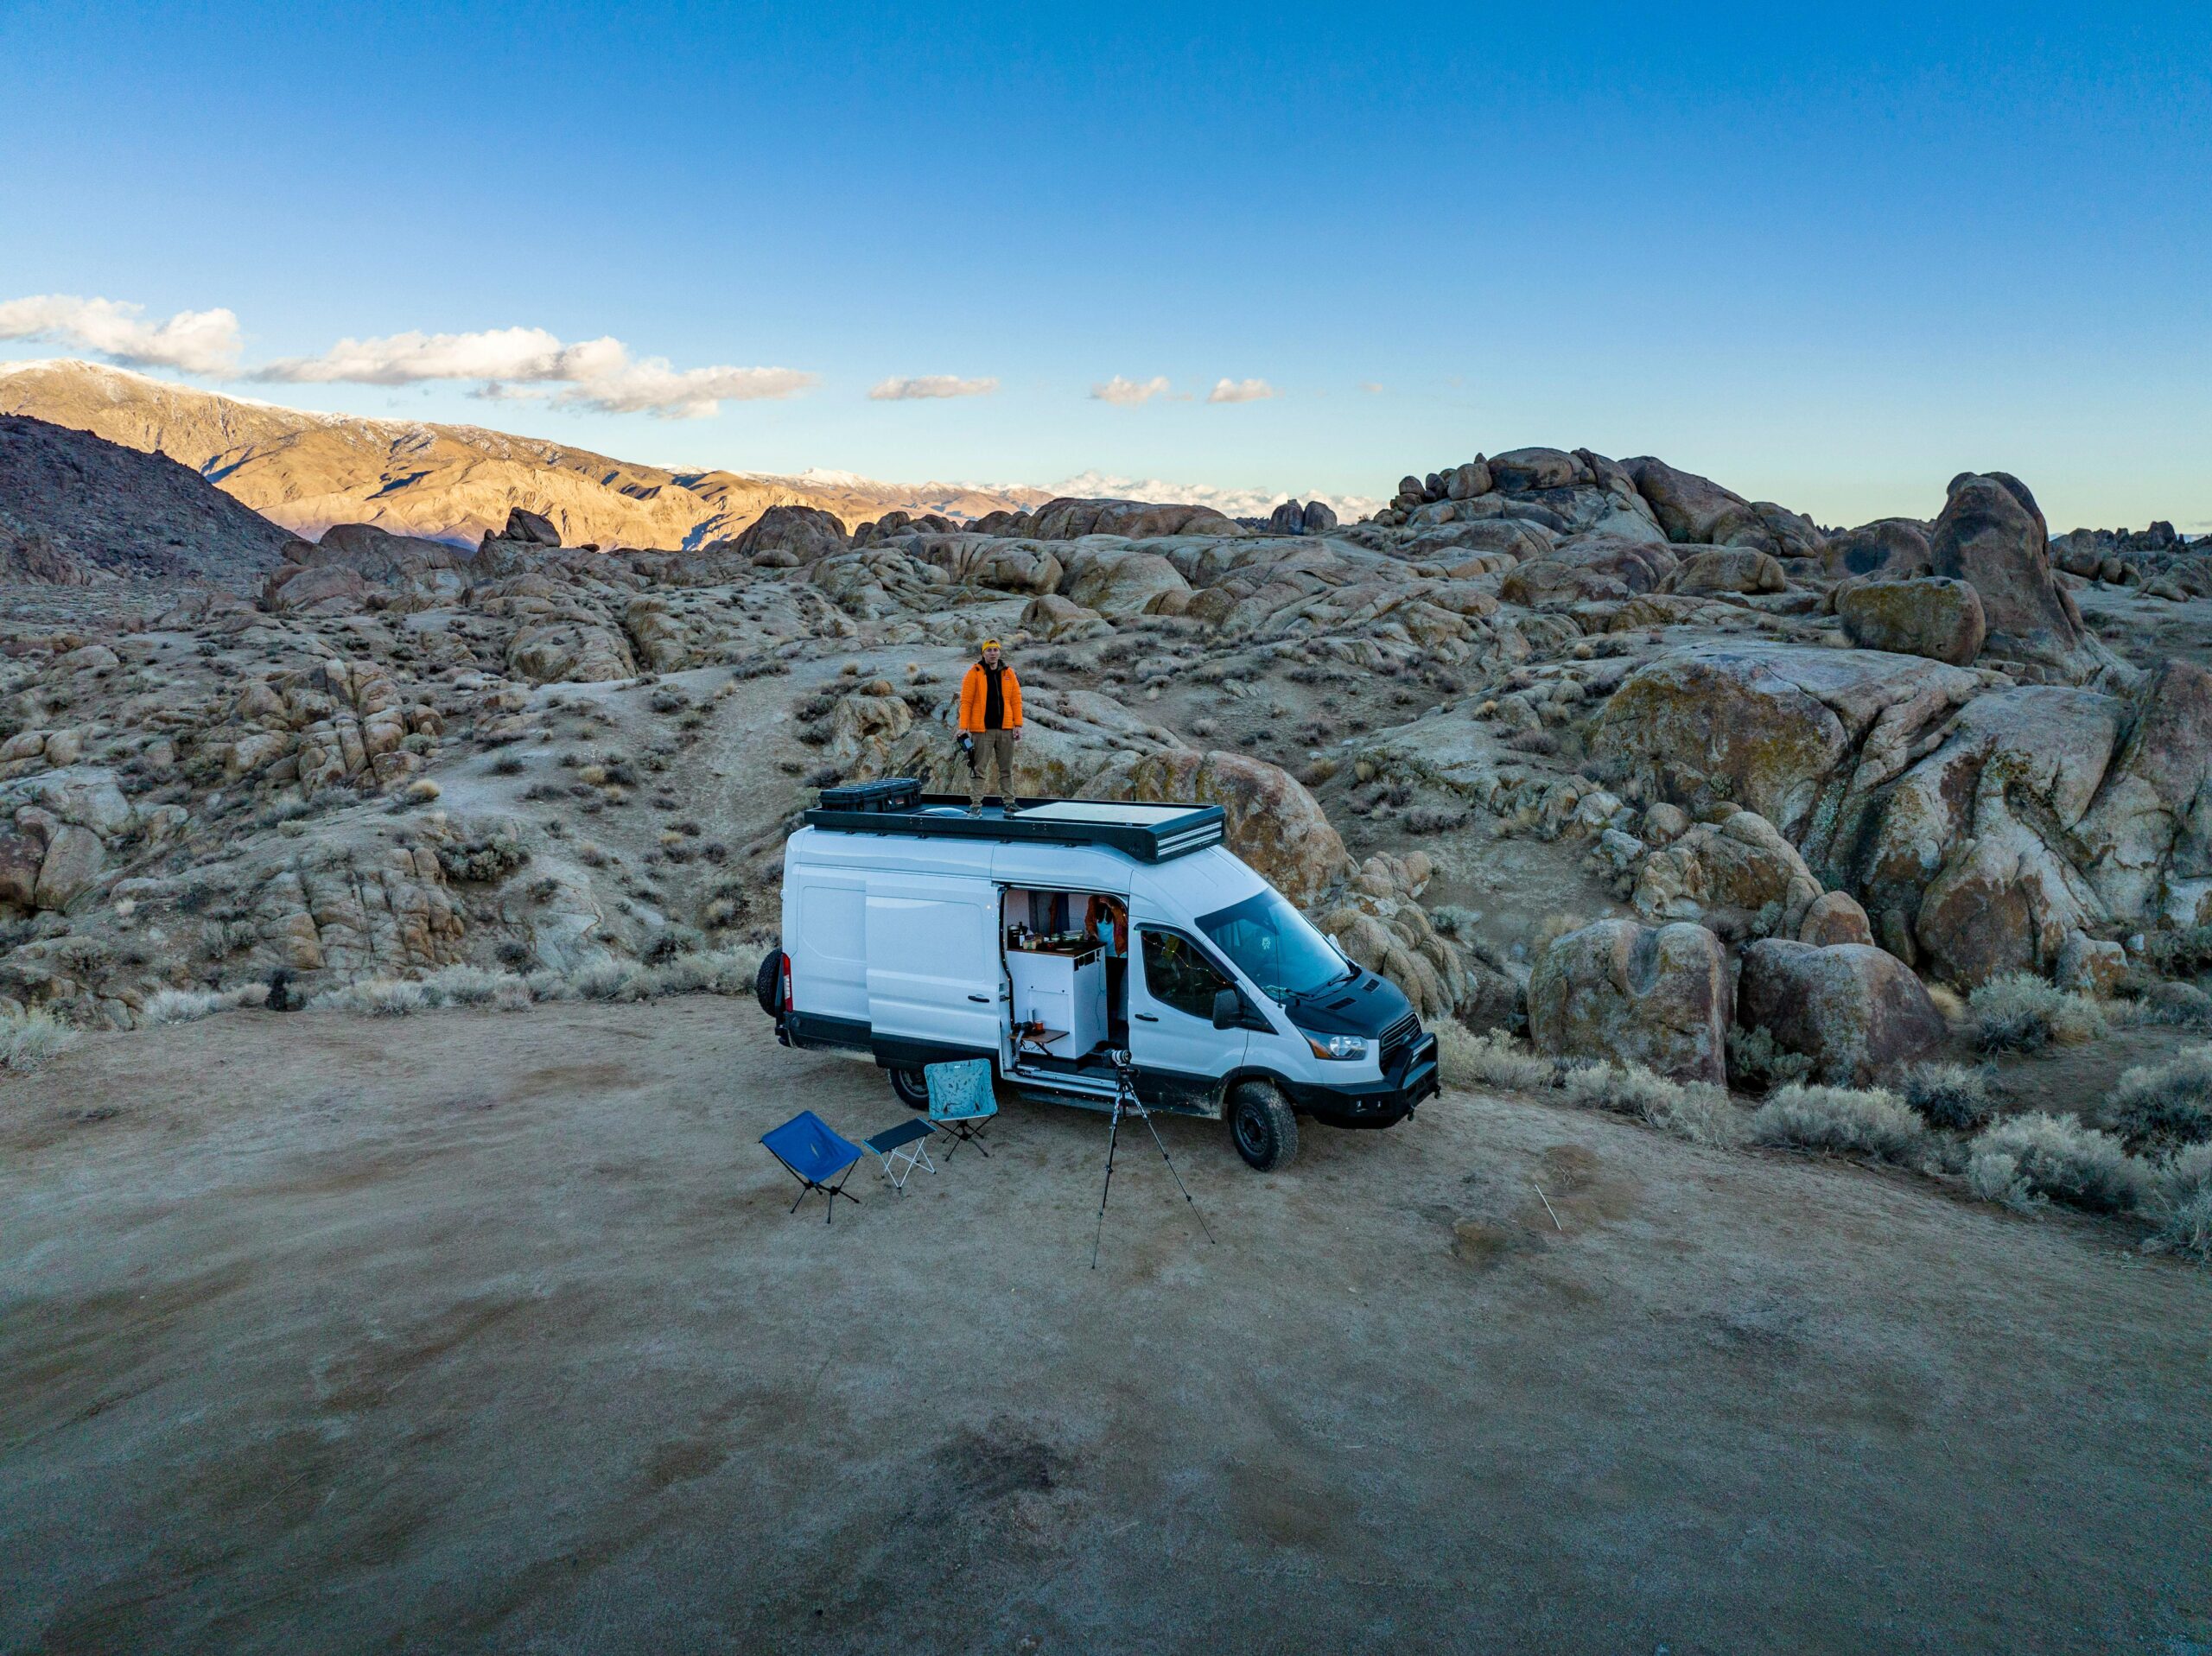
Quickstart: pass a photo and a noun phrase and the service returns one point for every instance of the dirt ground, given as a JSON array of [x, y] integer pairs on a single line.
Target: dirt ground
[[493, 1331]]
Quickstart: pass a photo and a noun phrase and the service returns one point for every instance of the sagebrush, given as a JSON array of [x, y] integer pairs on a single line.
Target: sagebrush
[[31, 1035]]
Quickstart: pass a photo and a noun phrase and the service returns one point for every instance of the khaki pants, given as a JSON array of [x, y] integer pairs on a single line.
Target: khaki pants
[[994, 752]]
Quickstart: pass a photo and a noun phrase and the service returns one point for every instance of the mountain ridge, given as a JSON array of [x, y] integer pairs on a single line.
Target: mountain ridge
[[307, 471]]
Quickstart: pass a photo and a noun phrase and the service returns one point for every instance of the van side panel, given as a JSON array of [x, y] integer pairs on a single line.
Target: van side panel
[[933, 971], [825, 932]]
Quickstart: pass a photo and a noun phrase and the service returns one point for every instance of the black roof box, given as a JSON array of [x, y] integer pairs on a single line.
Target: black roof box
[[892, 794]]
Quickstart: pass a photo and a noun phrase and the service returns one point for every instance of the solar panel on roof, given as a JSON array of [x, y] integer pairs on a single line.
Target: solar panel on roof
[[1148, 833]]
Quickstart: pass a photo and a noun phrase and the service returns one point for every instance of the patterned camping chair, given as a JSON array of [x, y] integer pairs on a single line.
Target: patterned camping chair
[[961, 1101]]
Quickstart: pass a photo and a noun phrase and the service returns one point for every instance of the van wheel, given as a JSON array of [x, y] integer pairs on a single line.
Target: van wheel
[[912, 1088], [1263, 1126], [768, 983]]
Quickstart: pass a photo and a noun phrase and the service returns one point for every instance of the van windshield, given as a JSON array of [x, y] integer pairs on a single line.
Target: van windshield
[[1275, 946]]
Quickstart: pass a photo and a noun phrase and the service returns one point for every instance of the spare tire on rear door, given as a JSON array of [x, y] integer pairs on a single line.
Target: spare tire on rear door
[[768, 983], [1262, 1125]]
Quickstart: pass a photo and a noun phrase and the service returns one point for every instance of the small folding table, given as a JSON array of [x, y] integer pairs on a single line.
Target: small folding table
[[901, 1148]]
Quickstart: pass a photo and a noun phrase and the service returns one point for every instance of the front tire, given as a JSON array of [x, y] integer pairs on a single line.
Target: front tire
[[1263, 1126], [768, 983], [912, 1088]]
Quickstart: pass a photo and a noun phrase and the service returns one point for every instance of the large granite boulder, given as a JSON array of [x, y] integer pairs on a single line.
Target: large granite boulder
[[1888, 548], [1857, 1012], [784, 537], [1653, 995], [1069, 519], [1773, 728], [1741, 867], [1728, 569], [1936, 617], [1992, 533], [1122, 582], [1697, 510], [1595, 567]]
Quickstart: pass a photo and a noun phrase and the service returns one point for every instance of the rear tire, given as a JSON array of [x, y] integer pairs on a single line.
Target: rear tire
[[912, 1088], [1263, 1126], [768, 983]]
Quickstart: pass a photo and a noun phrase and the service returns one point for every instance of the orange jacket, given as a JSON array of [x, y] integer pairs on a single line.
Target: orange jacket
[[974, 692]]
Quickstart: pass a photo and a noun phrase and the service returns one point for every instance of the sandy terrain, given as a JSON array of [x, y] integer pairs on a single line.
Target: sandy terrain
[[484, 1331]]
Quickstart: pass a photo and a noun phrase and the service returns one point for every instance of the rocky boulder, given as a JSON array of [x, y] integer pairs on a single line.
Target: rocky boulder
[[1728, 569], [1122, 581], [1774, 728], [1698, 510], [1888, 548], [1936, 617], [1653, 995], [1857, 1012], [1596, 567], [1739, 873], [1069, 519], [784, 537], [529, 528], [1992, 534]]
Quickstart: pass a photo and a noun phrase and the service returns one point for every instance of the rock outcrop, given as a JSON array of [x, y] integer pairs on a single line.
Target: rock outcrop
[[1857, 1012], [1653, 995]]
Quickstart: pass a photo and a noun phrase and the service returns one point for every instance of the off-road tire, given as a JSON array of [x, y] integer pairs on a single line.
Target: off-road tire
[[1263, 1126], [912, 1088], [768, 983]]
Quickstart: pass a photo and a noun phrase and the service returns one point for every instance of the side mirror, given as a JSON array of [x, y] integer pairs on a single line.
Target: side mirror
[[1228, 1009]]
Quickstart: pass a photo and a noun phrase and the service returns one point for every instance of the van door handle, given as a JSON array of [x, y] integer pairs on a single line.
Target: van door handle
[[980, 1000], [1146, 1018]]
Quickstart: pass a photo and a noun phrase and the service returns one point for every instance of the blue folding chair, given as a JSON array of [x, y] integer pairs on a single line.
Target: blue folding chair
[[813, 1153], [961, 1101]]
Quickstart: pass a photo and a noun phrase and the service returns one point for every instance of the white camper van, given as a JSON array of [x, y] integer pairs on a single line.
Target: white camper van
[[915, 933]]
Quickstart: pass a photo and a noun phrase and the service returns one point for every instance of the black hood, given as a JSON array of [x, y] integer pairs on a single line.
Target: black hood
[[1367, 1006]]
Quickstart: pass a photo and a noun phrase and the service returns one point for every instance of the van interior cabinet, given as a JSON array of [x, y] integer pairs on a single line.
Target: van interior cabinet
[[1064, 988]]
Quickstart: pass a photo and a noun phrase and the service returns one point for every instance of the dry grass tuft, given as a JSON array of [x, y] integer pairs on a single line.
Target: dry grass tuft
[[1950, 1096], [2021, 1012], [31, 1035], [1844, 1121], [2163, 1107], [1492, 1060], [2056, 1156], [1695, 1111]]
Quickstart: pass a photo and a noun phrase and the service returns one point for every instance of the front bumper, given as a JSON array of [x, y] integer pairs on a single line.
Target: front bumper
[[1382, 1103]]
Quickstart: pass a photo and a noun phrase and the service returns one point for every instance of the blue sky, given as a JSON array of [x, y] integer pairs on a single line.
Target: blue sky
[[1829, 259]]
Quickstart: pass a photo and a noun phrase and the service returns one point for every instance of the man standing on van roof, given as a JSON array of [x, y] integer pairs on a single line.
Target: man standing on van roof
[[990, 718]]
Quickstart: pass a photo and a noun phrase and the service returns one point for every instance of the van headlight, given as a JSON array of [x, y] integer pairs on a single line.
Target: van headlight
[[1346, 1047]]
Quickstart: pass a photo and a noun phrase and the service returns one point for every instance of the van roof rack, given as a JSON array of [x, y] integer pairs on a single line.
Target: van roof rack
[[898, 806]]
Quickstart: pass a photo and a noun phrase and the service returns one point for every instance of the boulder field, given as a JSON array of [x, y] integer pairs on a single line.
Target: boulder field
[[1806, 770]]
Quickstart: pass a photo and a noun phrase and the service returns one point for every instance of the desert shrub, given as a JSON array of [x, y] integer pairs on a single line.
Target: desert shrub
[[1843, 1120], [1994, 1175], [720, 972], [507, 765], [2184, 953], [607, 980], [1755, 1059], [1452, 919], [2160, 1106], [1696, 1111], [1492, 1060], [378, 997], [482, 859], [1949, 1096], [421, 791], [2181, 1207], [31, 1035], [2021, 1012], [183, 1006], [1434, 819], [2055, 1156], [473, 986], [1533, 741]]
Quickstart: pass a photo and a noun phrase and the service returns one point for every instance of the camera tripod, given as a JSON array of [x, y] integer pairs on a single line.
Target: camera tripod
[[1126, 1099]]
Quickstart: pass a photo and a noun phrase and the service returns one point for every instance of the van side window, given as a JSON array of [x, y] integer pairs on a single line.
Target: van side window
[[1177, 976]]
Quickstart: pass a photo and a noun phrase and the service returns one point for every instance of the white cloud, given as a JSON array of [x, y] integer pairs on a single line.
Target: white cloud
[[598, 374], [1240, 391], [1127, 393], [1373, 388], [197, 341], [930, 386], [1235, 502]]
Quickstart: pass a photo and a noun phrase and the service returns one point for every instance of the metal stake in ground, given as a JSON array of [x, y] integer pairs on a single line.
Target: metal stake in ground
[[1125, 1098]]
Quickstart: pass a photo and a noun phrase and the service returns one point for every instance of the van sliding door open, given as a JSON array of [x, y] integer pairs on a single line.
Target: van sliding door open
[[934, 972]]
